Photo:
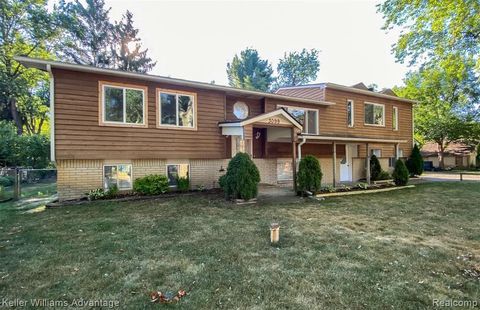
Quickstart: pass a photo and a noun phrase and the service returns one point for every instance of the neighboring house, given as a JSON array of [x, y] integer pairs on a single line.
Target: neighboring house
[[455, 155], [111, 127]]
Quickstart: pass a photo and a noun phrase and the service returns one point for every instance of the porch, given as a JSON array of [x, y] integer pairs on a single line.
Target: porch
[[276, 143]]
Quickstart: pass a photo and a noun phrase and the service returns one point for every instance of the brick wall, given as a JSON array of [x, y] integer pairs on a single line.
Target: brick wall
[[77, 177]]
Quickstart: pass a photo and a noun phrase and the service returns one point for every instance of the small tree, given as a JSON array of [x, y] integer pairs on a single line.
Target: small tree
[[415, 162], [242, 178], [309, 174], [400, 173], [375, 168]]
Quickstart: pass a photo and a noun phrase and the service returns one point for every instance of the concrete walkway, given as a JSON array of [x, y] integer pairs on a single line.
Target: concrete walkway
[[447, 176]]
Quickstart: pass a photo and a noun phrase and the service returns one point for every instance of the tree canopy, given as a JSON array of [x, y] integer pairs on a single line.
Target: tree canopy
[[249, 71], [447, 100], [298, 68], [434, 30], [127, 53], [26, 28]]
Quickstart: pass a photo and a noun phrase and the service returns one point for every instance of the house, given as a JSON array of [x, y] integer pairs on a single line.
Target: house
[[456, 154], [110, 127]]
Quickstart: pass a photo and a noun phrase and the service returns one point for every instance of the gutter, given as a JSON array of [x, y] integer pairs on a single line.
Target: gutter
[[304, 140], [52, 113]]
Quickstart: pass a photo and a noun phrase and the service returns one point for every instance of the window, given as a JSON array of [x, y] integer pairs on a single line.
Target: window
[[400, 153], [176, 109], [240, 110], [284, 170], [392, 161], [307, 117], [120, 175], [377, 153], [350, 113], [395, 118], [176, 171], [374, 114], [123, 105]]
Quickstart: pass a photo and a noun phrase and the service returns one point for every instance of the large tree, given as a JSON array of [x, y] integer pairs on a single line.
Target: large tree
[[26, 27], [447, 96], [434, 30], [87, 33], [297, 68], [127, 53], [249, 71]]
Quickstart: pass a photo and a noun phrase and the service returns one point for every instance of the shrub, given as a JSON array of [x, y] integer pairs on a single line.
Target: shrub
[[400, 173], [96, 194], [415, 162], [2, 193], [384, 175], [362, 185], [375, 168], [112, 191], [309, 175], [183, 184], [7, 180], [242, 178], [153, 184]]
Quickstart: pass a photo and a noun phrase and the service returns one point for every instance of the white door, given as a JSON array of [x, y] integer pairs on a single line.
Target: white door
[[346, 163]]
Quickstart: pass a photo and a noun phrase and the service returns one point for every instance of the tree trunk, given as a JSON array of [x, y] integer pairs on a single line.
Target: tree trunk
[[16, 116], [440, 156]]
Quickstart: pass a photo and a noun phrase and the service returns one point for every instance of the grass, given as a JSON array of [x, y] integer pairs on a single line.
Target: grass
[[399, 249], [32, 195]]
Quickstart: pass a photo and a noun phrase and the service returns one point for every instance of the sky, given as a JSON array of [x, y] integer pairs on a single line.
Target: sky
[[196, 39]]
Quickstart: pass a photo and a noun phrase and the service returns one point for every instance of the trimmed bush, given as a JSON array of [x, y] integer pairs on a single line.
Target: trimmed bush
[[183, 184], [153, 184], [400, 173], [415, 162], [375, 168], [242, 178], [384, 175], [309, 177], [2, 193], [7, 180]]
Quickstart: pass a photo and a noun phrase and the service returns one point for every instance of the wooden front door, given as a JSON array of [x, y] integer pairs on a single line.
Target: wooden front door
[[259, 139]]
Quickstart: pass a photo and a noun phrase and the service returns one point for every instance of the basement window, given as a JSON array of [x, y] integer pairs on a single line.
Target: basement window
[[177, 171], [119, 175]]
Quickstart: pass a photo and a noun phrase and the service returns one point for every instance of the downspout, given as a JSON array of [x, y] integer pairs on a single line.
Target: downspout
[[304, 140], [52, 113]]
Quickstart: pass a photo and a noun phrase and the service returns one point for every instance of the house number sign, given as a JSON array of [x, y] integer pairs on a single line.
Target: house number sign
[[274, 121]]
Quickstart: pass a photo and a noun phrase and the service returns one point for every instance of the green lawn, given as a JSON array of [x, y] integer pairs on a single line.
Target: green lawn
[[399, 249]]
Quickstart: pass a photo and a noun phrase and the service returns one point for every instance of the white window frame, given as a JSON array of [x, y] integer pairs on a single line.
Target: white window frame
[[383, 114], [317, 127], [352, 124], [176, 164], [395, 122], [112, 165], [124, 89], [373, 152], [400, 153], [176, 93]]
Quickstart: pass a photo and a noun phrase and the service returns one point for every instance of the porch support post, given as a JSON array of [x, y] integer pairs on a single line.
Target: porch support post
[[294, 159], [396, 151], [368, 163], [334, 145]]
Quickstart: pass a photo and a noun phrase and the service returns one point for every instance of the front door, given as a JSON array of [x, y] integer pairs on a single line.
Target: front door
[[259, 138], [346, 164]]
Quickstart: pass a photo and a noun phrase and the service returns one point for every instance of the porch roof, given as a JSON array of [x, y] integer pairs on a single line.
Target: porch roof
[[332, 138], [266, 119]]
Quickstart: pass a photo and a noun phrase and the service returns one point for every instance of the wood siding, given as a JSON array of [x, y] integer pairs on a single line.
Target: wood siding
[[255, 107], [333, 120], [78, 134]]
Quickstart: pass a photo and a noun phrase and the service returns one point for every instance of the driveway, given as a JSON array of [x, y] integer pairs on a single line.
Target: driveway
[[447, 176]]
